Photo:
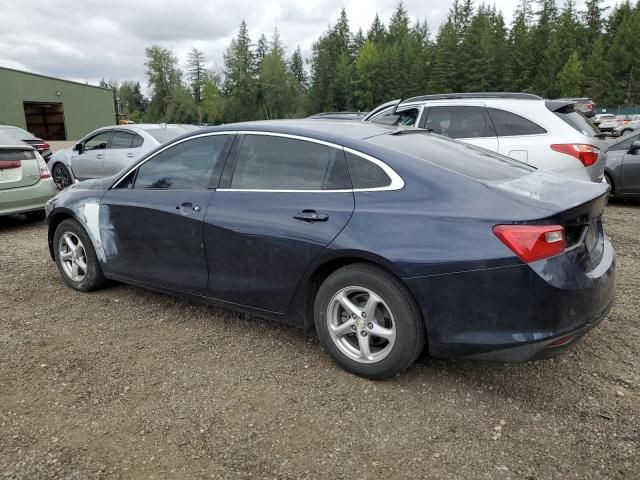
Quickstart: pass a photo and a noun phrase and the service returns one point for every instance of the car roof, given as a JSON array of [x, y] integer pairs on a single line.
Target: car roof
[[335, 131], [10, 141]]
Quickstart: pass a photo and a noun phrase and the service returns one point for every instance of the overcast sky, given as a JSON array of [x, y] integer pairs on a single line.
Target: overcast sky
[[87, 40]]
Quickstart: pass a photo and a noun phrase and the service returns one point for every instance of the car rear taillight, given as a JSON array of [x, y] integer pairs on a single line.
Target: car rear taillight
[[42, 146], [532, 242], [42, 166], [587, 154]]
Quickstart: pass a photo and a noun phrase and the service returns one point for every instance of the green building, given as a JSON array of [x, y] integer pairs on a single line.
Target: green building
[[51, 108]]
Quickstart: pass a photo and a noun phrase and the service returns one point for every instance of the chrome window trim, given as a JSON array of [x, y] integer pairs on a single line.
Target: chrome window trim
[[397, 183]]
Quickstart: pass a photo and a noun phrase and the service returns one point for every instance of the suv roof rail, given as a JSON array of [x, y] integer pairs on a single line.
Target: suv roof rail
[[451, 96]]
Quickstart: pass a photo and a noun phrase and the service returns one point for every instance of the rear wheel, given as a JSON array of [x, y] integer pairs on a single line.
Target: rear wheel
[[368, 321], [61, 176], [610, 183], [76, 258]]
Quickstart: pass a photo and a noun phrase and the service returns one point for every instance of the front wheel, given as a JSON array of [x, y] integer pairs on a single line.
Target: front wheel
[[368, 321], [61, 176]]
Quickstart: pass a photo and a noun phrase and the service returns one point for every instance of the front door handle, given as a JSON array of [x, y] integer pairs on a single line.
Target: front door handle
[[130, 155], [100, 155], [311, 216], [187, 206]]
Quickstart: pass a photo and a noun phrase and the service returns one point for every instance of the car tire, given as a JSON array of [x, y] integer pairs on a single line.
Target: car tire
[[37, 216], [76, 258], [612, 191], [378, 344], [625, 131], [61, 176]]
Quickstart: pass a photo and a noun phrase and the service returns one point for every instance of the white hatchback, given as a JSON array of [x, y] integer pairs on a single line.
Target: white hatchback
[[547, 134]]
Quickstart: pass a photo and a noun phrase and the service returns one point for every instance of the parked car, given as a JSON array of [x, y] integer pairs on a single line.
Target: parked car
[[626, 128], [622, 171], [43, 148], [108, 150], [338, 116], [384, 238], [602, 116], [547, 134], [583, 104], [25, 181]]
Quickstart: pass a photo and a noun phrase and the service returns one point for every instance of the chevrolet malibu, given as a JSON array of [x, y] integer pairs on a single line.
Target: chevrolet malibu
[[387, 240]]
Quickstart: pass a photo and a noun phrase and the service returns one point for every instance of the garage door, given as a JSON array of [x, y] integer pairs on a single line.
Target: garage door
[[45, 120]]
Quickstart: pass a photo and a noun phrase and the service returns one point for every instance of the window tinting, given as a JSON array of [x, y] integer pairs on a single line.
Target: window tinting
[[137, 141], [509, 124], [121, 140], [465, 159], [459, 122], [366, 174], [577, 120], [276, 163], [98, 142], [625, 144], [407, 118], [185, 166]]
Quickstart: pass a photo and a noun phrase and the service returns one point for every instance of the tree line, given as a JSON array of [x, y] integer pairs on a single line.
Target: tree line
[[546, 50]]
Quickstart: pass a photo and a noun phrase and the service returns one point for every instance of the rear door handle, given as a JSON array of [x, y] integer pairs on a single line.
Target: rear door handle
[[187, 206], [130, 155], [100, 155], [311, 216]]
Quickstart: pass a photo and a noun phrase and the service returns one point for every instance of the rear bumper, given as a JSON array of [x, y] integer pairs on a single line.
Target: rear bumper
[[26, 199], [514, 313]]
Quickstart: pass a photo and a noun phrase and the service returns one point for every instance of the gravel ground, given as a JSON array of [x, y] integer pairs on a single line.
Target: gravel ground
[[124, 383]]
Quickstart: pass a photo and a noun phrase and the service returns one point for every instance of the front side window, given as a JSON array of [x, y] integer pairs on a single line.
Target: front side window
[[509, 124], [186, 166], [267, 162], [121, 140], [97, 142], [407, 118], [459, 122]]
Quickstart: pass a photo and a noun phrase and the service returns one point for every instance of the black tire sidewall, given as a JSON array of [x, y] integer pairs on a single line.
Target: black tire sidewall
[[67, 174], [408, 322], [93, 278]]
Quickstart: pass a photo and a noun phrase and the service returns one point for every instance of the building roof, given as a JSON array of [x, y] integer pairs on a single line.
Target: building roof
[[54, 78]]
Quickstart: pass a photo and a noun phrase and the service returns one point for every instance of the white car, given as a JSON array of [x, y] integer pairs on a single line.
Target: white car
[[106, 151], [548, 134]]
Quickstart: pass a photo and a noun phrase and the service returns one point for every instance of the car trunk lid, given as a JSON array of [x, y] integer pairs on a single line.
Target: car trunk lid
[[18, 167]]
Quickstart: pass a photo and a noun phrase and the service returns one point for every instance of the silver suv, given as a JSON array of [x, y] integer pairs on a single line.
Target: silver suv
[[548, 134]]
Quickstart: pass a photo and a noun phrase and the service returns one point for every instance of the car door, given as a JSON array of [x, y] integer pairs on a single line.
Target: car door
[[631, 172], [151, 222], [90, 162], [467, 123], [123, 151], [282, 200], [518, 137]]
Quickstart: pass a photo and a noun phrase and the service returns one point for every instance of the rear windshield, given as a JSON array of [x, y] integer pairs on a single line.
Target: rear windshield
[[468, 160], [578, 121], [163, 135]]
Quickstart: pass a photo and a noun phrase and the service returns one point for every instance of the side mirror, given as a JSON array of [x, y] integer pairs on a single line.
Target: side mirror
[[78, 148], [635, 148]]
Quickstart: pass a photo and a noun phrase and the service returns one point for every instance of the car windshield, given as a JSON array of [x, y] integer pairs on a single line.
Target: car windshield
[[163, 135], [477, 163], [578, 121], [16, 132]]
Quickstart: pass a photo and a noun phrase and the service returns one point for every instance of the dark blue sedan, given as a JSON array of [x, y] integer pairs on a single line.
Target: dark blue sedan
[[385, 239]]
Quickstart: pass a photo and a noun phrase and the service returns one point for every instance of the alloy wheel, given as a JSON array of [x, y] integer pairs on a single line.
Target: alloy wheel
[[73, 256], [361, 324], [61, 177]]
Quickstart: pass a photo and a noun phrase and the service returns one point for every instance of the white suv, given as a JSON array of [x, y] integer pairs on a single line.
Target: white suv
[[548, 134]]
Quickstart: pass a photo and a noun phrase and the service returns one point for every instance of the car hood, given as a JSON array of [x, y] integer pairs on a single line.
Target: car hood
[[95, 184]]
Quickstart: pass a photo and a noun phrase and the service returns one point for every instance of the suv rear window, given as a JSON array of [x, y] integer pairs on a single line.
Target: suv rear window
[[468, 160], [577, 120]]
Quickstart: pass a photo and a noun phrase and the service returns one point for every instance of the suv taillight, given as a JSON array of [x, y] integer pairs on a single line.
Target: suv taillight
[[532, 242], [587, 154]]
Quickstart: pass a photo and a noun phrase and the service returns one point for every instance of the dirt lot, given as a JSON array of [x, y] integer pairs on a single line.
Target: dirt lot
[[124, 383]]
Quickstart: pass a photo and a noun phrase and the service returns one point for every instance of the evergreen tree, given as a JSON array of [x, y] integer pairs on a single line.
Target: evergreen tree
[[571, 76], [163, 78], [196, 73], [444, 77], [275, 81], [239, 87], [377, 33]]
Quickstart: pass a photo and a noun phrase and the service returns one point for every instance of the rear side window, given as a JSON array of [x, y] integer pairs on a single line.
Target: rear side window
[[406, 118], [186, 166], [366, 174], [121, 140], [137, 141], [276, 163], [459, 122], [577, 120], [509, 124]]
